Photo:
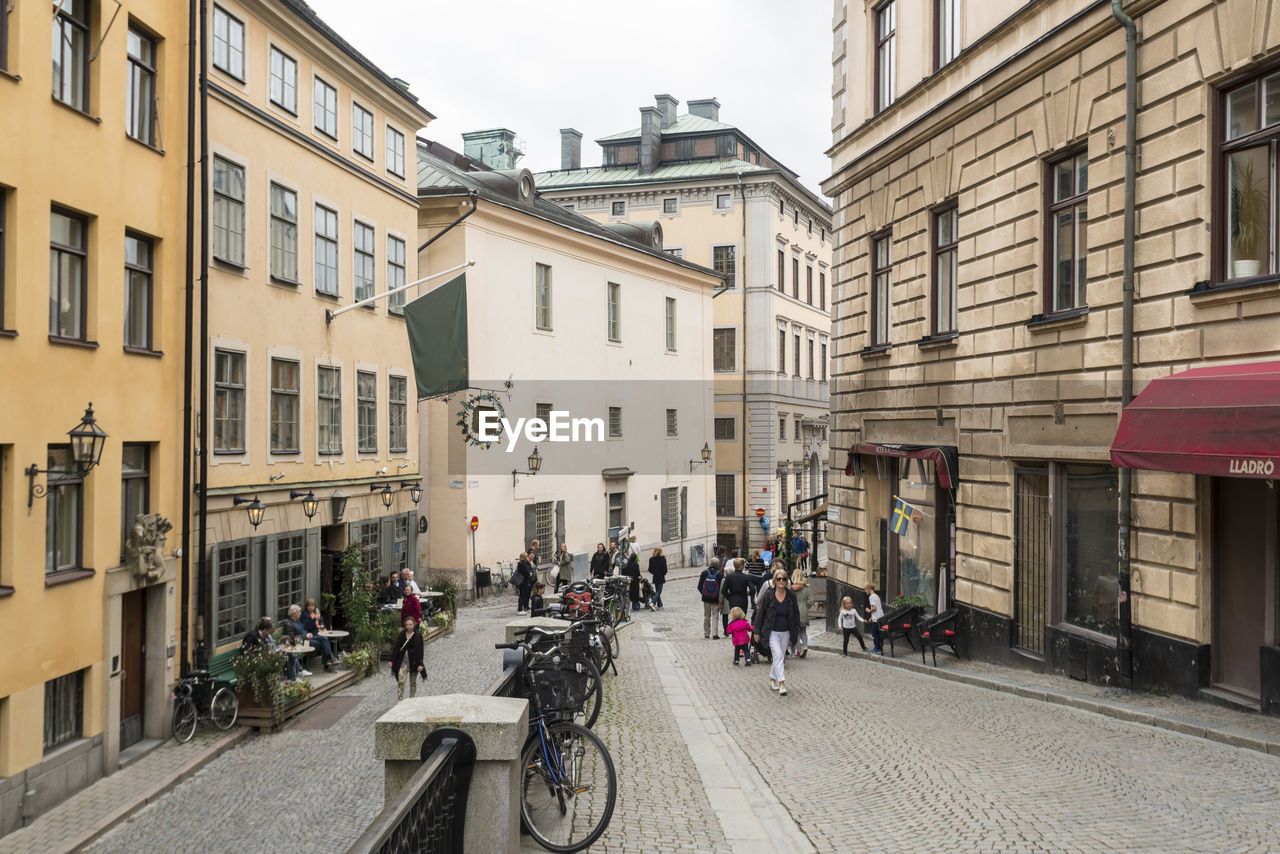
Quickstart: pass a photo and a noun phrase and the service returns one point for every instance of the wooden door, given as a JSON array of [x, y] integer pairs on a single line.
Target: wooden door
[[1240, 535], [132, 665]]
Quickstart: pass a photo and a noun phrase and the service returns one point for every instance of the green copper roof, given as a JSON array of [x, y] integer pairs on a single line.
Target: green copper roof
[[723, 167], [688, 123]]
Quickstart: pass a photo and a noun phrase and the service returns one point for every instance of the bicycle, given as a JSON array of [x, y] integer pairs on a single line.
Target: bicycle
[[575, 652], [569, 786], [198, 696], [502, 578]]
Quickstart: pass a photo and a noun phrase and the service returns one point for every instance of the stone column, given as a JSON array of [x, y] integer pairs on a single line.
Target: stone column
[[498, 725]]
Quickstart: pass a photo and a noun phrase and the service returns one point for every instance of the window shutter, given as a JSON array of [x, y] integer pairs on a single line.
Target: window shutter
[[258, 579], [531, 530], [387, 544], [684, 512], [311, 574], [267, 582], [412, 516], [559, 524]]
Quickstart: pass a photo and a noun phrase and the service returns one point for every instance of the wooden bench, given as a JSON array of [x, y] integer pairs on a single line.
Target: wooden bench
[[220, 668], [899, 623], [940, 631]]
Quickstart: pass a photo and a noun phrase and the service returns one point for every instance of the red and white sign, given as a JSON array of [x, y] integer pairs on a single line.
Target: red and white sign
[[475, 522]]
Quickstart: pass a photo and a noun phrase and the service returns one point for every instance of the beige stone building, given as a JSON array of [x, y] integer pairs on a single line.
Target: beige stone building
[[724, 202], [978, 169]]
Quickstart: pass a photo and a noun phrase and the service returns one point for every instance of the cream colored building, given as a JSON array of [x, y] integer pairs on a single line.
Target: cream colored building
[[565, 315], [978, 167], [92, 297], [725, 203], [312, 207]]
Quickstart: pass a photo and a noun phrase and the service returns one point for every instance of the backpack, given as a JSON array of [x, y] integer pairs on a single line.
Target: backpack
[[710, 587]]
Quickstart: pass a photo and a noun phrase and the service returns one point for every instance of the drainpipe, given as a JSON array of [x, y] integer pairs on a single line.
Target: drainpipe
[[1124, 643], [742, 434], [184, 638], [202, 513], [442, 232]]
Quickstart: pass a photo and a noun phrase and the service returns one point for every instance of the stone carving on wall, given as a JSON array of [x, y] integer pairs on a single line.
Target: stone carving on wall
[[144, 550]]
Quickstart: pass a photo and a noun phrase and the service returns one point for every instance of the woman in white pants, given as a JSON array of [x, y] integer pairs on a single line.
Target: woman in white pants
[[778, 621]]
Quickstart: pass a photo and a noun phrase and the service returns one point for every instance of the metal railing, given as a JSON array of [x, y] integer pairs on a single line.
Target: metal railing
[[428, 816]]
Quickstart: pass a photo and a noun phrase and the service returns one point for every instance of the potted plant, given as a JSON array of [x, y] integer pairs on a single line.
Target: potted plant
[[1249, 218]]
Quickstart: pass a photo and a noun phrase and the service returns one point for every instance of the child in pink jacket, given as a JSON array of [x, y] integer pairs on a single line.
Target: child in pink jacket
[[739, 631]]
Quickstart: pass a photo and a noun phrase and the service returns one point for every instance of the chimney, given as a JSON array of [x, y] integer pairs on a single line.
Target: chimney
[[570, 148], [495, 148], [650, 139], [667, 105], [708, 108]]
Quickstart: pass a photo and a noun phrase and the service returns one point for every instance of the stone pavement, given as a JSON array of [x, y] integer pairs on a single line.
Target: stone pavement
[[859, 755]]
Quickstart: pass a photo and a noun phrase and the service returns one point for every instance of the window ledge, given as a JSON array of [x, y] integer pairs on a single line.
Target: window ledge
[[283, 282], [152, 148], [875, 351], [336, 298], [1234, 290], [395, 312], [17, 78], [73, 342], [143, 351], [5, 591], [8, 333], [76, 110], [1059, 320], [238, 266], [64, 576], [225, 453], [937, 342]]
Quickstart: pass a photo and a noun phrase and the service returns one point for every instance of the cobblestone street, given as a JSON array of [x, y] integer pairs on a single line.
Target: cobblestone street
[[711, 760]]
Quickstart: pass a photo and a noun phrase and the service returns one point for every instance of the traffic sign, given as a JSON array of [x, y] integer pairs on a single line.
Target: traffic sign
[[475, 522], [759, 512]]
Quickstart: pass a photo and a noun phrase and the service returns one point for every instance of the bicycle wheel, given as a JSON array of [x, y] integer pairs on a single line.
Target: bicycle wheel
[[610, 638], [184, 719], [225, 708], [595, 696], [569, 787]]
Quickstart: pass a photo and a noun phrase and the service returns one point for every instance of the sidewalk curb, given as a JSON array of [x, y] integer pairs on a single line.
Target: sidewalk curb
[[1174, 723], [158, 789]]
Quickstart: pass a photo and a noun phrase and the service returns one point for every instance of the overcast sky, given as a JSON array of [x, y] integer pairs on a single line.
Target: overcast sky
[[540, 65]]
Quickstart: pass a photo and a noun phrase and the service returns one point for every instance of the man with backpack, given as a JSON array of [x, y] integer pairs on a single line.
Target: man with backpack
[[709, 589]]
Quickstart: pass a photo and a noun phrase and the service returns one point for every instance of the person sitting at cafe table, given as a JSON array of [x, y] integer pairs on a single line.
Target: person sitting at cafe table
[[297, 632], [387, 595], [314, 624], [411, 586], [397, 588], [261, 637]]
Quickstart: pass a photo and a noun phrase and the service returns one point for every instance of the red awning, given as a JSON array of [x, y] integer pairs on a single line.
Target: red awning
[[945, 457], [1222, 421]]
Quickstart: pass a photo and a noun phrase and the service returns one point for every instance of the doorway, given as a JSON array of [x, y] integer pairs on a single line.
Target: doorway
[[133, 632], [916, 555], [1245, 522]]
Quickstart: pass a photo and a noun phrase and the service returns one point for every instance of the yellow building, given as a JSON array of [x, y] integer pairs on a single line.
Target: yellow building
[[725, 203], [313, 207], [75, 683]]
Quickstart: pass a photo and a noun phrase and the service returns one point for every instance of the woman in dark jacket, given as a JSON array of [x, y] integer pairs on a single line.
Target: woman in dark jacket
[[407, 645], [525, 576], [658, 569], [632, 570], [600, 562], [778, 625]]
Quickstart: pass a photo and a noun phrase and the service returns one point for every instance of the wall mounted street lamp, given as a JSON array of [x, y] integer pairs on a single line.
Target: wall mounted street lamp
[[310, 504], [706, 457], [806, 464], [256, 508], [415, 489], [535, 465], [385, 491], [338, 504], [87, 442]]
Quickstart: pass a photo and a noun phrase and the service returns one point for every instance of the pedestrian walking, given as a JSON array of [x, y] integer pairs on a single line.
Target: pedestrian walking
[[406, 660], [600, 562], [564, 567], [658, 569], [874, 611], [709, 590], [411, 607], [778, 622], [740, 633], [804, 599], [737, 591], [632, 570], [848, 620], [524, 578]]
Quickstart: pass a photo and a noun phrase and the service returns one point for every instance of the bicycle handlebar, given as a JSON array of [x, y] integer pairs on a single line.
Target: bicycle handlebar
[[506, 646]]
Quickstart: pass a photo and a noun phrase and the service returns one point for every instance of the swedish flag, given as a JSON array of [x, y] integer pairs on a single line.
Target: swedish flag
[[901, 516]]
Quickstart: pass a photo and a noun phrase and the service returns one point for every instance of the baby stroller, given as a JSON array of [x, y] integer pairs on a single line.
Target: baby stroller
[[646, 594]]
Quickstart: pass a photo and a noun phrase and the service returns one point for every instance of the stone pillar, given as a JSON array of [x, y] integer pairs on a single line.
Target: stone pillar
[[498, 725], [542, 622]]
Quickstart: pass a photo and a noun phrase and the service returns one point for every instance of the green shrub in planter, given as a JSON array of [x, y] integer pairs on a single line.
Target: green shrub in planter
[[259, 671], [915, 600], [295, 691]]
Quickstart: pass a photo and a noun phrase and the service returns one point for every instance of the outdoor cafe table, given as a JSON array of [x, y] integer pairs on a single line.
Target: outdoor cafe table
[[300, 649], [336, 636]]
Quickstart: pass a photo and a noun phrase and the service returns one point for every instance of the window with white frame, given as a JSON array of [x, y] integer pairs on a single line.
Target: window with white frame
[[361, 131], [64, 511], [881, 268], [822, 360], [228, 211], [617, 509], [362, 260], [398, 414], [724, 201], [615, 422], [326, 250], [395, 152], [795, 352], [618, 209], [329, 410], [782, 347], [782, 427], [231, 592], [63, 709], [724, 261], [671, 205], [542, 296], [671, 522], [885, 56], [671, 324], [285, 406], [946, 31], [809, 344], [228, 43], [724, 349], [673, 423], [366, 412], [291, 566], [613, 296], [284, 233], [395, 274], [324, 109], [726, 495], [725, 429], [284, 80], [228, 401]]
